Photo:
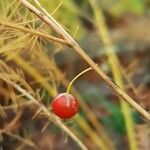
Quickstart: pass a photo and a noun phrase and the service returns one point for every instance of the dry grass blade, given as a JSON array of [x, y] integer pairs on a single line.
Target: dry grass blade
[[47, 18], [37, 33]]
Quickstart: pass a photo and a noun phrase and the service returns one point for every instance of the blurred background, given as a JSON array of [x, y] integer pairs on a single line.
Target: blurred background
[[115, 34]]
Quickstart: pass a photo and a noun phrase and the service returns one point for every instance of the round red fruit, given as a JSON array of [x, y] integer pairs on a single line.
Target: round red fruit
[[65, 105]]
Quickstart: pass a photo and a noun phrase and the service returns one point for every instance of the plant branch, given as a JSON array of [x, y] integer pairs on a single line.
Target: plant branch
[[40, 34], [57, 28]]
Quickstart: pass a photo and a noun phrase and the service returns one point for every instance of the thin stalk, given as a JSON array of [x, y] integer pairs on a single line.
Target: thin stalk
[[76, 77]]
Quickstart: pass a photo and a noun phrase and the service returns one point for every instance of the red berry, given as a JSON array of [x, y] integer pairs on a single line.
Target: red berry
[[65, 105]]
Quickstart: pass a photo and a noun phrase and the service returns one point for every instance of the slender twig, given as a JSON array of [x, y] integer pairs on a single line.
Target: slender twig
[[72, 81], [47, 18], [54, 119], [39, 34]]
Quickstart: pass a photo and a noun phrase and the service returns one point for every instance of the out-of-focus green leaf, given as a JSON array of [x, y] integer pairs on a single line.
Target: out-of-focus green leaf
[[120, 7]]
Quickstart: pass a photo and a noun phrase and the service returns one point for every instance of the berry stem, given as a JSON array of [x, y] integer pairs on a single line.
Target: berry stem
[[70, 84]]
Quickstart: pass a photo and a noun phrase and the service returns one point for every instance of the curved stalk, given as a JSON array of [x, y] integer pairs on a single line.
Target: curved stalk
[[70, 84]]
